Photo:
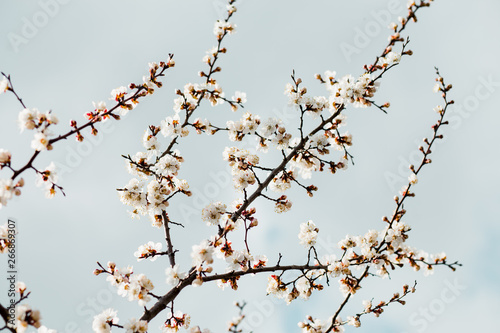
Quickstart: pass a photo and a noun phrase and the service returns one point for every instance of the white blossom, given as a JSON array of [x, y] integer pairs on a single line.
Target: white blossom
[[168, 165], [413, 179], [174, 276], [119, 93], [136, 326], [27, 119], [269, 127], [138, 289], [240, 97], [7, 191], [202, 253], [172, 127], [282, 206], [47, 179], [275, 287], [5, 156], [4, 85], [243, 178], [308, 234], [221, 27], [102, 322], [40, 141], [178, 320], [25, 316], [148, 251], [213, 212], [304, 287]]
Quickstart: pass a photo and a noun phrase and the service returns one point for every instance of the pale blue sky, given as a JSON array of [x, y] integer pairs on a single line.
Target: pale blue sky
[[85, 49]]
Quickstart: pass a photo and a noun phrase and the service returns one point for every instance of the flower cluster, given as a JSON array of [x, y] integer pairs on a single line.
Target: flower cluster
[[104, 321], [213, 212], [136, 326], [312, 106], [153, 199], [136, 287], [242, 163], [172, 127], [302, 287], [151, 81], [150, 141], [149, 250], [8, 189], [32, 119], [48, 180], [202, 253], [274, 132], [315, 325], [100, 112], [247, 125], [5, 157], [222, 28], [283, 181], [238, 98], [176, 321], [168, 165], [174, 276], [390, 59], [276, 287], [237, 260], [4, 85], [189, 99], [398, 253], [126, 101], [308, 234], [349, 90], [26, 316], [282, 205]]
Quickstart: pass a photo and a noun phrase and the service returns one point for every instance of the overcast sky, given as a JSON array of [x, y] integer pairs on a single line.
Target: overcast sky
[[64, 55]]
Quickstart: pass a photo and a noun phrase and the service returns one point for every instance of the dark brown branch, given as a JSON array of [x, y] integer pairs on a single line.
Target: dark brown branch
[[168, 239]]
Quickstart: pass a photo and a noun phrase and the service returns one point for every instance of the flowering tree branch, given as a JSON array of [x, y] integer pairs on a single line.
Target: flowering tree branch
[[32, 119], [301, 151]]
